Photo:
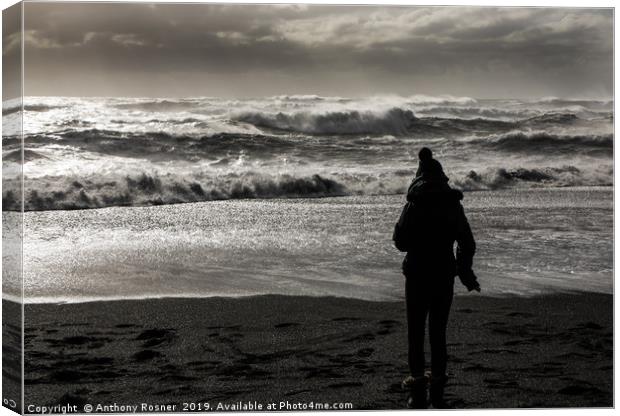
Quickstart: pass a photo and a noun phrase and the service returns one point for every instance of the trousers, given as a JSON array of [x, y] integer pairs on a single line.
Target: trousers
[[428, 299]]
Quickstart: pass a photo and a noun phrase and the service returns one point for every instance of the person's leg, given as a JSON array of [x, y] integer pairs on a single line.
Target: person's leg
[[417, 309], [437, 323]]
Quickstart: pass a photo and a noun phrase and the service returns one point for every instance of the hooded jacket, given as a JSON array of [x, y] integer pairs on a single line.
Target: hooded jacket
[[436, 220]]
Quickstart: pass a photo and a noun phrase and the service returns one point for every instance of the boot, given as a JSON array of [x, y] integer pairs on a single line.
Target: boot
[[417, 394], [438, 385]]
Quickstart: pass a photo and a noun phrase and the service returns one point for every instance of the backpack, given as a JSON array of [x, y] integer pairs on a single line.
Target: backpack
[[402, 232]]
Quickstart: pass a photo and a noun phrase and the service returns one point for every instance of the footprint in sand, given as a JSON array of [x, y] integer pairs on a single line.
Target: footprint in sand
[[588, 325], [553, 364], [387, 324], [176, 390], [154, 333], [573, 355], [176, 377], [514, 342], [234, 327], [286, 325], [146, 355], [321, 373], [363, 337], [201, 365], [295, 392], [365, 352], [495, 383], [79, 341], [345, 384], [478, 367], [236, 370], [394, 388], [154, 337], [67, 376], [580, 389], [494, 351], [345, 319], [75, 398], [86, 361], [520, 315]]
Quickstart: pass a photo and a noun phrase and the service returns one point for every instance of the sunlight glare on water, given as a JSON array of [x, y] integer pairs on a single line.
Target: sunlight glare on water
[[529, 242]]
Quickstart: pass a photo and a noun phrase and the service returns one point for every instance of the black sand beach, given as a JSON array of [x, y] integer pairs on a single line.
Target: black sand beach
[[547, 351]]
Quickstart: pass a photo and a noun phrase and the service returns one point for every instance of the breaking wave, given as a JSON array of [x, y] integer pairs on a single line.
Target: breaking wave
[[53, 193], [502, 178], [535, 142], [475, 112], [308, 97], [398, 121], [395, 121], [440, 100], [158, 145], [29, 107], [70, 193], [16, 156], [412, 99], [162, 146], [554, 118], [102, 152], [158, 105], [568, 101]]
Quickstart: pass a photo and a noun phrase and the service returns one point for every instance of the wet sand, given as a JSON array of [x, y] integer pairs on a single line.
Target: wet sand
[[546, 351]]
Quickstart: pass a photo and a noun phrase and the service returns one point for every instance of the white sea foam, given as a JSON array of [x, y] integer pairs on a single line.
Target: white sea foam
[[205, 148]]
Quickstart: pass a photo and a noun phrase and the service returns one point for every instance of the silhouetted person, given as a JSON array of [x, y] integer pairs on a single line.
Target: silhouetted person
[[433, 221]]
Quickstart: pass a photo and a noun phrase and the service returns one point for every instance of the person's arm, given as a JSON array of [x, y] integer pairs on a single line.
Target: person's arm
[[465, 250]]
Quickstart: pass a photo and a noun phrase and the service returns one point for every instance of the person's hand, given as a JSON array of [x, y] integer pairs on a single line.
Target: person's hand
[[475, 286]]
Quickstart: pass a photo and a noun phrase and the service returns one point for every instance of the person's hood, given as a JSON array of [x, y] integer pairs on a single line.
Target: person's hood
[[431, 170], [421, 189]]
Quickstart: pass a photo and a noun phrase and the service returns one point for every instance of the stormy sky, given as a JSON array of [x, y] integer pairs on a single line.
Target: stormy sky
[[178, 50]]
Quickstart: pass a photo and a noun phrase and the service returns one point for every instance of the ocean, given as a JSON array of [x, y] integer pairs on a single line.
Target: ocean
[[135, 198]]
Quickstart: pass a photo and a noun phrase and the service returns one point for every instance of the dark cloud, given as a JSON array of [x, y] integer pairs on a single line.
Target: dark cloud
[[199, 49], [11, 47]]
